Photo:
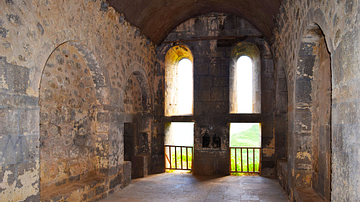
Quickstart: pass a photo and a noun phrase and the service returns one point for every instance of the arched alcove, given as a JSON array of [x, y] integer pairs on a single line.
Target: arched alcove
[[137, 132], [70, 150], [137, 94], [313, 113]]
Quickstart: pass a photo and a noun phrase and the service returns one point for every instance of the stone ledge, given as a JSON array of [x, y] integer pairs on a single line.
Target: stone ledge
[[86, 189], [307, 195]]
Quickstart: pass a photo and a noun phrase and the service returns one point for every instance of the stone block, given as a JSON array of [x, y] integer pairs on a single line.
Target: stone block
[[103, 95], [116, 181], [198, 108], [29, 122], [202, 95], [221, 81], [102, 122], [303, 122], [17, 78], [217, 94], [139, 164], [157, 164], [303, 92], [126, 173], [214, 70], [206, 82], [307, 49], [115, 97], [11, 125], [202, 69], [225, 72]]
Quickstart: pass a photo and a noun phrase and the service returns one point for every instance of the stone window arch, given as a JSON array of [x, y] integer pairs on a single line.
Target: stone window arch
[[173, 83], [239, 52]]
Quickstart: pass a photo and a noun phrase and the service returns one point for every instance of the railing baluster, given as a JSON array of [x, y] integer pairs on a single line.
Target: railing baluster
[[254, 160], [260, 160], [241, 161], [170, 157], [235, 161], [175, 159], [247, 158], [187, 158], [181, 157]]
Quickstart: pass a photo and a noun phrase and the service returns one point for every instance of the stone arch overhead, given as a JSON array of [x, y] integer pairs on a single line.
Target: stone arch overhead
[[313, 18], [45, 52], [99, 75], [145, 87], [316, 17], [187, 51], [47, 48], [262, 45]]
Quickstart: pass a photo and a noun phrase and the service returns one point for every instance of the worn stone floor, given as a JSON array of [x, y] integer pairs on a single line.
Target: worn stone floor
[[188, 187]]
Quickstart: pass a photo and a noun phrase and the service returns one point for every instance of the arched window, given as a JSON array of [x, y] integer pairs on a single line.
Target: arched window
[[185, 87], [179, 82], [244, 85], [179, 136], [245, 79]]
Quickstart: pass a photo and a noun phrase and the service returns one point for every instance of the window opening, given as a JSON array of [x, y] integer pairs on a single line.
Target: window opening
[[179, 82], [179, 142], [245, 79], [245, 147], [185, 86], [244, 85]]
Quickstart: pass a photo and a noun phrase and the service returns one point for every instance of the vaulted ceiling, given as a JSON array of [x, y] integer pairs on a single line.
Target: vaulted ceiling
[[156, 18]]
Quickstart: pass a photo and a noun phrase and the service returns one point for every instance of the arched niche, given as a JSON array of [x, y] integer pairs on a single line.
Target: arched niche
[[69, 101], [137, 94], [312, 127], [138, 128]]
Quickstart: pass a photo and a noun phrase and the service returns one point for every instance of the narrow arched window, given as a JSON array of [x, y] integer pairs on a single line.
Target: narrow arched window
[[245, 79], [179, 82], [185, 86], [244, 85]]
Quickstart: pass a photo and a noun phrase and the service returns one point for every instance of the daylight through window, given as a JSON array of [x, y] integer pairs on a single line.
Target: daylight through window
[[185, 86], [244, 84]]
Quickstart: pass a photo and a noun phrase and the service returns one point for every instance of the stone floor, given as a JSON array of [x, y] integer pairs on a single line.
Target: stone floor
[[187, 187]]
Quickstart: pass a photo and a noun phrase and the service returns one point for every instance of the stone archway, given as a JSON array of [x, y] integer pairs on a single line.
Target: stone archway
[[137, 132], [313, 113], [70, 150]]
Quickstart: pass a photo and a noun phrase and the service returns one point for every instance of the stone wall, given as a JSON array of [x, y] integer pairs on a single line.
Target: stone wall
[[338, 21], [108, 50], [67, 118], [211, 38]]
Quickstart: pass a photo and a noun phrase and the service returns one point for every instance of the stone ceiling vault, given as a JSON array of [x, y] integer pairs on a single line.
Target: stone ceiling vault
[[156, 18]]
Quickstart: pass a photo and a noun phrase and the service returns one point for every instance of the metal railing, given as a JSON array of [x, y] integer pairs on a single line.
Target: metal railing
[[178, 157], [245, 159]]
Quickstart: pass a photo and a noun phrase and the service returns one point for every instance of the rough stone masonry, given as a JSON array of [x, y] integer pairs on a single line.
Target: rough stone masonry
[[82, 92]]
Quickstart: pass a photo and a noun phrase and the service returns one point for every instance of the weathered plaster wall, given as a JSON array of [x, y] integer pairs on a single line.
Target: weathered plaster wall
[[211, 39], [338, 21], [112, 50]]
